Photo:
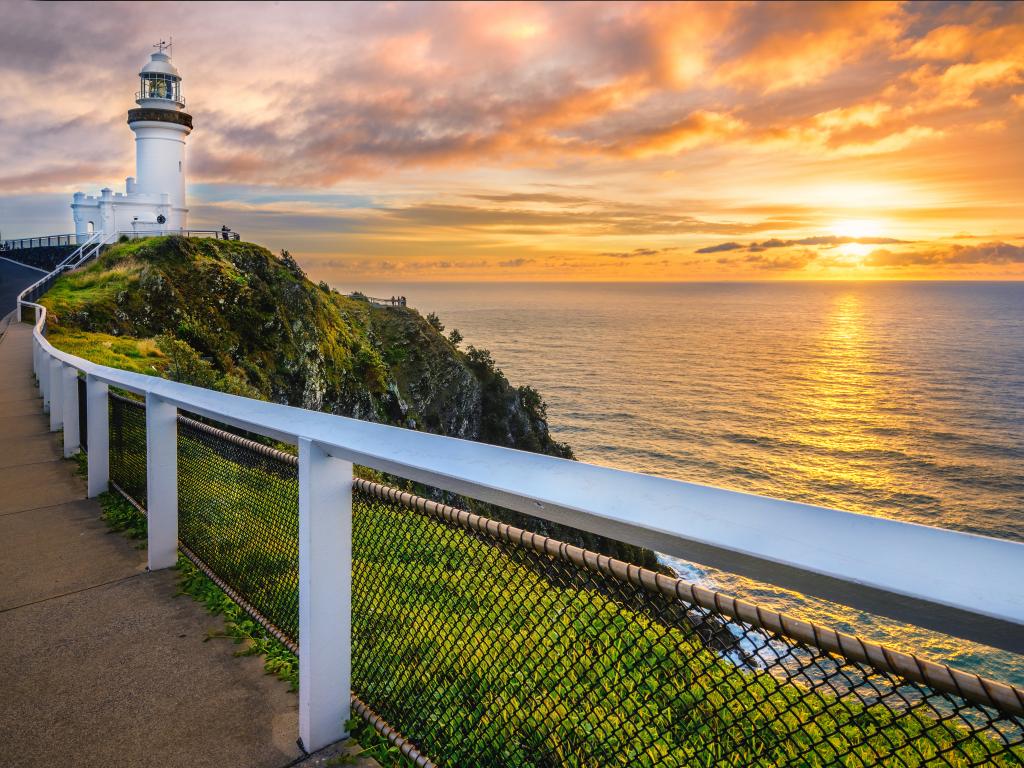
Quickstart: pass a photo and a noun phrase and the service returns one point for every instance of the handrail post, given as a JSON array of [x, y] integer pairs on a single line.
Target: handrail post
[[44, 378], [56, 399], [161, 481], [69, 386], [97, 414], [325, 595]]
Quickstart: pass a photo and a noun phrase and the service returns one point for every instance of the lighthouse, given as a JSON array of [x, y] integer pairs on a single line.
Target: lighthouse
[[154, 199]]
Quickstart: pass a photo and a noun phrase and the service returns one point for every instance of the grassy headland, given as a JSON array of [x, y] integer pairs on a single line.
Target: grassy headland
[[233, 316]]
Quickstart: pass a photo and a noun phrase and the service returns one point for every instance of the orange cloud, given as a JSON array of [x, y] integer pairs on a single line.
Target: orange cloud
[[985, 253], [692, 131], [802, 43]]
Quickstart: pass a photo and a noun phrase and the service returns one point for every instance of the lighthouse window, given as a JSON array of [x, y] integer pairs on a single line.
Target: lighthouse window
[[156, 85]]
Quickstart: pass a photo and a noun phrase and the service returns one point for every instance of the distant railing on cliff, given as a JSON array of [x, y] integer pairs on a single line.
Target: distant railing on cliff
[[394, 301], [470, 642], [42, 241], [216, 234]]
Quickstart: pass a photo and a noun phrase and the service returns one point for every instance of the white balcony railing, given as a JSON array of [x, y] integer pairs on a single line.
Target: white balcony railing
[[884, 566]]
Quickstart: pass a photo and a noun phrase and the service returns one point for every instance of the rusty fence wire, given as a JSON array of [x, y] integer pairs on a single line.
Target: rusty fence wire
[[479, 644]]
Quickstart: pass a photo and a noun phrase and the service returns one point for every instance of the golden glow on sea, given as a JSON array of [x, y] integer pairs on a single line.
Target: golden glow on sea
[[841, 390]]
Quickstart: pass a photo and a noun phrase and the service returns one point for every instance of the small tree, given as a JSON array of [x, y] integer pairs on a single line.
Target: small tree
[[292, 264], [455, 337], [184, 364], [435, 322]]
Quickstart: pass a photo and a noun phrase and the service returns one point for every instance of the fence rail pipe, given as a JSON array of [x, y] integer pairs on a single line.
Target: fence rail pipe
[[325, 595], [98, 434], [56, 400], [162, 481], [69, 387]]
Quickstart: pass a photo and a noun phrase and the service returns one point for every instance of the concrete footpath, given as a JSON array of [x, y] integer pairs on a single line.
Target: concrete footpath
[[100, 663]]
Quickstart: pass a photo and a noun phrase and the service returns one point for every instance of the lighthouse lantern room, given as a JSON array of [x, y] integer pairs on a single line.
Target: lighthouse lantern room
[[154, 199]]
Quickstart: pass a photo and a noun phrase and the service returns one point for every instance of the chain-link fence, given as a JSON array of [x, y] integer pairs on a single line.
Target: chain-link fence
[[83, 421], [128, 447], [483, 644], [238, 516]]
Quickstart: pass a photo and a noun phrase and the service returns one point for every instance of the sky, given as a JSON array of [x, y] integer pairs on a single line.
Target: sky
[[536, 141]]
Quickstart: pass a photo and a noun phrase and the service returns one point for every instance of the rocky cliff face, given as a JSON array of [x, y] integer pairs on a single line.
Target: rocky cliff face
[[233, 315]]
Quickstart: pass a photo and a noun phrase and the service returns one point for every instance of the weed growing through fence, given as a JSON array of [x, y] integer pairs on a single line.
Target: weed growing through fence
[[117, 512]]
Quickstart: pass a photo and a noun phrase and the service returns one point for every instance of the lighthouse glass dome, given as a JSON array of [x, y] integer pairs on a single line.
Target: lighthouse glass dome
[[158, 85]]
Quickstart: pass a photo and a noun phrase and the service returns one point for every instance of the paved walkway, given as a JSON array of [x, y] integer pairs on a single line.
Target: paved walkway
[[100, 663]]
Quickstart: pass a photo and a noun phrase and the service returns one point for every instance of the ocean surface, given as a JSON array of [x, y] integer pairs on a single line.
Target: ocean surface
[[903, 400]]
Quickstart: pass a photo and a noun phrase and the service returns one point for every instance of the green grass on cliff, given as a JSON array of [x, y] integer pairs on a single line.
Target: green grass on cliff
[[130, 354], [251, 322], [248, 313]]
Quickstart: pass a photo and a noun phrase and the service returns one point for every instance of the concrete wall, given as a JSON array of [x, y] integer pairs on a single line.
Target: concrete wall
[[44, 257]]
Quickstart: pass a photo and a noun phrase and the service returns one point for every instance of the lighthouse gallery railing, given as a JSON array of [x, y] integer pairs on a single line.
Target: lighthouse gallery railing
[[477, 643]]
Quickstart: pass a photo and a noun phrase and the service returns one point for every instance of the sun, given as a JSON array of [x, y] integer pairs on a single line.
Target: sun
[[857, 229]]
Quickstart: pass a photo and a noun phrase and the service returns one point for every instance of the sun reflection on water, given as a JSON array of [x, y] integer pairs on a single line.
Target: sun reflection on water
[[842, 399], [848, 427]]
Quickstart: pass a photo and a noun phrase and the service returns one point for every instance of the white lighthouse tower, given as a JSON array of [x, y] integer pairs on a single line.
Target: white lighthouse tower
[[154, 199]]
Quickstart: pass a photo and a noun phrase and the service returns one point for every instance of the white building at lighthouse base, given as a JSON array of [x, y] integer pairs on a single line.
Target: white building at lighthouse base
[[128, 211]]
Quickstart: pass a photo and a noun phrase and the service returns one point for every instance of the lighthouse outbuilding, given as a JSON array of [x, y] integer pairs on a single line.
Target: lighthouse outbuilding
[[154, 199]]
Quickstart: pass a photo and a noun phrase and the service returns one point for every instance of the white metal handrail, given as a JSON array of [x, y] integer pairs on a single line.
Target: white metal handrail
[[885, 566], [84, 252]]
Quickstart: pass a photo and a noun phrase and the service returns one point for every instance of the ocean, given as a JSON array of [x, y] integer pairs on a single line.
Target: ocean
[[903, 400]]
